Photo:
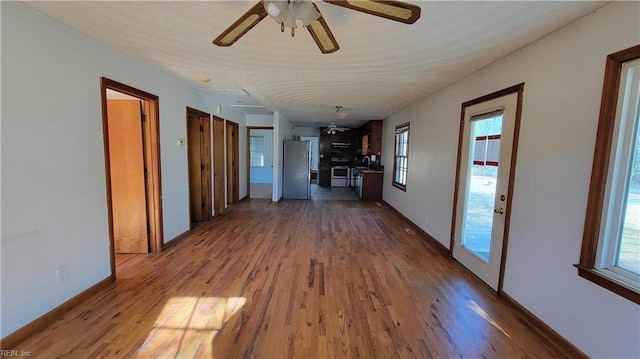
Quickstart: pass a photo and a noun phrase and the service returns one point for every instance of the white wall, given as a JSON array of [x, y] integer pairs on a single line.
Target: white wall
[[306, 131], [563, 76], [260, 120], [53, 180]]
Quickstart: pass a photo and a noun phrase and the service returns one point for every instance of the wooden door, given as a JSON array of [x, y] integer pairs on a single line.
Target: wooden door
[[205, 156], [127, 172], [218, 166], [199, 165], [232, 167], [194, 138]]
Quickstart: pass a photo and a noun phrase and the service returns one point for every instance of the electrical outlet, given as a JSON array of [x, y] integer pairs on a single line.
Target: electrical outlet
[[61, 275]]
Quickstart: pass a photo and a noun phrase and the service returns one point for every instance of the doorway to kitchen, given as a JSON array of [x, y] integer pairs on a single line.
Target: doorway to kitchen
[[260, 162], [132, 169], [487, 150]]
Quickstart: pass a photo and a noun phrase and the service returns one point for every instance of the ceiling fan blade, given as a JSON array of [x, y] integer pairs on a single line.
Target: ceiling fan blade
[[392, 10], [322, 35], [241, 26]]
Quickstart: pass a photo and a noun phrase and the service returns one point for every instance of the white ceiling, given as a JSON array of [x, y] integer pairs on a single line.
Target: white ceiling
[[382, 66]]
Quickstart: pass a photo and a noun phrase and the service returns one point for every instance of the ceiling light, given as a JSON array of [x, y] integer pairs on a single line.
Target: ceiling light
[[339, 115], [287, 13], [272, 9]]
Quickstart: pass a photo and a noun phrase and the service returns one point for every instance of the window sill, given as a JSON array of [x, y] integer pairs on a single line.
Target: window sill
[[399, 186], [609, 282]]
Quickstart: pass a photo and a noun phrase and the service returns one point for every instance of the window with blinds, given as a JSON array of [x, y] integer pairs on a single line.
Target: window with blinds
[[401, 156]]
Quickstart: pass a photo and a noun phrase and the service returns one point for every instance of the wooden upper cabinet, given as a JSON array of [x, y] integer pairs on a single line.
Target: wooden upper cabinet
[[371, 137], [376, 137], [325, 141]]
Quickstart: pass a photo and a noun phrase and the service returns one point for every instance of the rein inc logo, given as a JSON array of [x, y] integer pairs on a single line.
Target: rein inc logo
[[4, 353]]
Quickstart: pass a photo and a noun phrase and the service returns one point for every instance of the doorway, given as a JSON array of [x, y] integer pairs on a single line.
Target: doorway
[[132, 169], [218, 166], [233, 166], [199, 164], [260, 162], [487, 150]]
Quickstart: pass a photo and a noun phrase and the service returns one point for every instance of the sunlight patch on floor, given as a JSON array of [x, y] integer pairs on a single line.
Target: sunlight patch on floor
[[476, 308], [187, 325]]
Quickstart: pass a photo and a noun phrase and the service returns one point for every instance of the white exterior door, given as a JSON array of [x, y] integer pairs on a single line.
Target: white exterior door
[[482, 202]]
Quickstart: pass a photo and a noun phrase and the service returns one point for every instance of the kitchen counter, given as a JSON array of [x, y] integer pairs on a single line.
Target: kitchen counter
[[372, 171], [369, 184]]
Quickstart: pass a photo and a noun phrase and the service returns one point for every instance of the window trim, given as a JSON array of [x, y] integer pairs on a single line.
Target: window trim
[[398, 130], [599, 174]]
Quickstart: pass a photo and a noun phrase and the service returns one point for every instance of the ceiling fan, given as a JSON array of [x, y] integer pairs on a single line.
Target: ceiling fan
[[288, 13], [333, 128]]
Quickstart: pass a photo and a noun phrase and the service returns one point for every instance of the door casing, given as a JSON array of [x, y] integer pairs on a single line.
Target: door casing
[[152, 159], [519, 89]]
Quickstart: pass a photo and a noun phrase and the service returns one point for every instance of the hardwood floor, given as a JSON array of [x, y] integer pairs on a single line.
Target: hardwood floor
[[295, 279]]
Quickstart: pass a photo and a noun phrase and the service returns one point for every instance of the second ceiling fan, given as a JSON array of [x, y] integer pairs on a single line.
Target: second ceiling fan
[[289, 13]]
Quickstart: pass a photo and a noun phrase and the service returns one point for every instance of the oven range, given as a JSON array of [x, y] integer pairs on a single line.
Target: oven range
[[340, 176]]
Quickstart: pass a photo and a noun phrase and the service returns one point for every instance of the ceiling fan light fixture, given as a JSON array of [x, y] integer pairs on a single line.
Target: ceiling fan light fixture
[[276, 7], [339, 115], [272, 9], [301, 9], [288, 13]]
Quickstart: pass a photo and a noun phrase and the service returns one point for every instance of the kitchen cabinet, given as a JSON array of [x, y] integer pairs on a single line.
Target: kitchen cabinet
[[371, 185], [371, 137], [325, 142], [376, 137]]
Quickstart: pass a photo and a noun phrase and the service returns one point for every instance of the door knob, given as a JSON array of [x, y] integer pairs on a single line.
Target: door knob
[[498, 210], [216, 174]]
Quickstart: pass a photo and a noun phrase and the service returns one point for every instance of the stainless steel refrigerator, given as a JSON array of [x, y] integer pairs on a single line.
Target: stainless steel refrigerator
[[297, 170]]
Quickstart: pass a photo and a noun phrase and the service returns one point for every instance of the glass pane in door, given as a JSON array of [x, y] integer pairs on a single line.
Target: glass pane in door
[[481, 185]]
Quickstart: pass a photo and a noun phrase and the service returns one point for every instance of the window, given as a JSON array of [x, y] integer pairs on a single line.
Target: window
[[610, 255], [401, 158], [256, 147]]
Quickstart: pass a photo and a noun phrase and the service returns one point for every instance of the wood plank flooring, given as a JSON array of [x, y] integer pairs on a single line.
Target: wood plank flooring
[[295, 279]]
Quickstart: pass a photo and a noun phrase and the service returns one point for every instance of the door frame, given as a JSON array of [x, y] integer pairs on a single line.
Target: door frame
[[153, 184], [234, 168], [248, 159], [203, 116], [519, 89]]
